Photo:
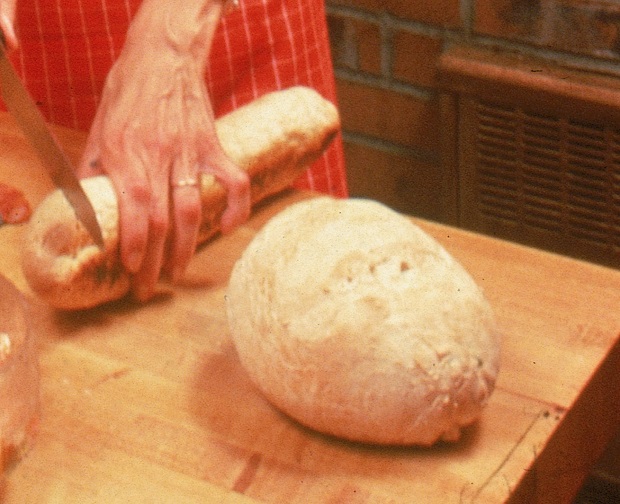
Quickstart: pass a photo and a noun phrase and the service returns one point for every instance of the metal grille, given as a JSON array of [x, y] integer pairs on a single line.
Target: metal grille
[[545, 180]]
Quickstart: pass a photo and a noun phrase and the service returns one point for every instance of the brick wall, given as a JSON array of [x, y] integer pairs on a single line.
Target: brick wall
[[385, 54]]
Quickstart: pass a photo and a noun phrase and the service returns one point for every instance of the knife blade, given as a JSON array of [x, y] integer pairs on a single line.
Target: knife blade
[[33, 125]]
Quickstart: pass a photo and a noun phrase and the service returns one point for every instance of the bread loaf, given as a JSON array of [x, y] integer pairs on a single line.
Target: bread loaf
[[273, 138], [356, 323]]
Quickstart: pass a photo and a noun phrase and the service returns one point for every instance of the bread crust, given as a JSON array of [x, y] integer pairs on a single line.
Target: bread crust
[[360, 325], [273, 138]]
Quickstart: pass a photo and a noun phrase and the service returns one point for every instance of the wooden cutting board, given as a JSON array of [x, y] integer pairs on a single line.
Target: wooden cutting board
[[148, 403]]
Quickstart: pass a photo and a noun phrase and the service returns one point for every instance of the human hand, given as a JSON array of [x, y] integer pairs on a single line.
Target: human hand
[[7, 20], [152, 135]]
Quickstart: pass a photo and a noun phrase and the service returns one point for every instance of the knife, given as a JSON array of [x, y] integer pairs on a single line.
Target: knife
[[33, 125]]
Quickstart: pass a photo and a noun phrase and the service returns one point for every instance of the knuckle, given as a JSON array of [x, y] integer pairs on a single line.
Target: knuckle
[[138, 192], [158, 222], [242, 179], [189, 212]]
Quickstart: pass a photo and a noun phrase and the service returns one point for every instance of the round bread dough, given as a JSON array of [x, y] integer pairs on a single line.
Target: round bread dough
[[356, 323]]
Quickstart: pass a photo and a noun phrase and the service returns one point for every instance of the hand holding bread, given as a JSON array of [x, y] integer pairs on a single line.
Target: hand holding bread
[[273, 138]]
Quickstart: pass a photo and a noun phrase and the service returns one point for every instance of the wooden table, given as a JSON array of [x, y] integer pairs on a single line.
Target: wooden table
[[149, 403]]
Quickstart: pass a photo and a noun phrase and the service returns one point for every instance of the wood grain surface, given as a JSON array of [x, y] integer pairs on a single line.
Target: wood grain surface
[[148, 403]]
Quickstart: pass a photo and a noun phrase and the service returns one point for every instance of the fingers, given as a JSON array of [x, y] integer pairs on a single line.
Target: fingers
[[156, 185], [143, 226], [186, 214], [134, 206], [239, 203], [147, 276], [153, 212], [7, 18], [119, 159], [237, 183], [141, 181], [143, 212], [159, 203], [143, 202]]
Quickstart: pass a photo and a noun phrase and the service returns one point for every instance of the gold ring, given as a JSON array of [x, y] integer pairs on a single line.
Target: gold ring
[[186, 182]]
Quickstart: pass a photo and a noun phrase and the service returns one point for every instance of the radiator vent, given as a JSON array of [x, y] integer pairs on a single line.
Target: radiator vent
[[533, 163]]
